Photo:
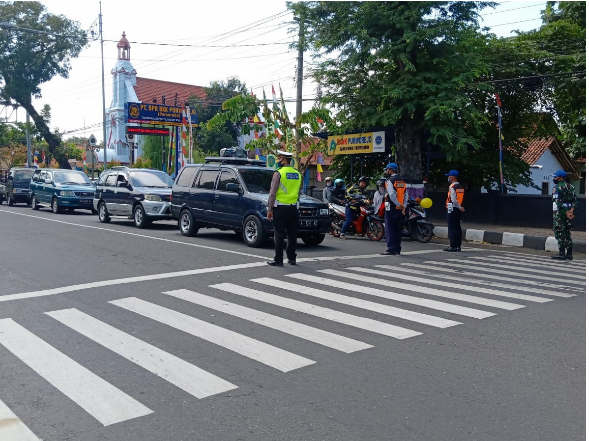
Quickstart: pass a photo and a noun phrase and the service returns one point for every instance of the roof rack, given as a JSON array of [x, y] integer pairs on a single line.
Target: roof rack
[[234, 161]]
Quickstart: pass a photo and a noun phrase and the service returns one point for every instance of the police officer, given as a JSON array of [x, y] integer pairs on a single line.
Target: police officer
[[395, 205], [283, 209], [455, 209], [564, 202]]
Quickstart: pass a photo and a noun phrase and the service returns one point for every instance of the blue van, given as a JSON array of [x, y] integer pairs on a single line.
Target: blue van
[[232, 194], [61, 189]]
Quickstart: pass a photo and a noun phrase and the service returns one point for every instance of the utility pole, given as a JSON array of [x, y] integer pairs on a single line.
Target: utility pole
[[299, 109], [103, 98], [28, 135]]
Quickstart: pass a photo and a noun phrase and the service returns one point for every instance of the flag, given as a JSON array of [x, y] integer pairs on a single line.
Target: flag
[[320, 159], [36, 159], [257, 152], [188, 114], [498, 100], [320, 121], [184, 141], [318, 176], [276, 113], [319, 168]]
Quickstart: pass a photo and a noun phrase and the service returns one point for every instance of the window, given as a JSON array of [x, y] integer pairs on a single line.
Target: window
[[226, 177], [257, 181], [207, 179], [72, 177], [111, 180], [544, 187], [23, 175], [153, 179], [185, 178], [43, 176]]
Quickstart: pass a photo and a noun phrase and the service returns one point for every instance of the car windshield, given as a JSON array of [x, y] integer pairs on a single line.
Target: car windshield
[[72, 177], [23, 175], [257, 180], [155, 179]]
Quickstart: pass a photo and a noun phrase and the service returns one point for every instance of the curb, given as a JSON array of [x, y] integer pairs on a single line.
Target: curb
[[541, 243]]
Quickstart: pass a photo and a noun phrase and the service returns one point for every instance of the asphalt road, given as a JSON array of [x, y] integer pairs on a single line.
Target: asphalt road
[[108, 332]]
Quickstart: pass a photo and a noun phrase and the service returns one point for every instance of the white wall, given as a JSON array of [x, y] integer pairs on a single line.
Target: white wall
[[549, 165]]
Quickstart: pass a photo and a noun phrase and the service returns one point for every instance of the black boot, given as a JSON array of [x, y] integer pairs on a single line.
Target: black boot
[[569, 255], [560, 255]]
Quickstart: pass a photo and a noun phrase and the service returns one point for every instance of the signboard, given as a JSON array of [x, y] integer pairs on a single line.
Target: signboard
[[147, 131], [371, 142], [141, 113]]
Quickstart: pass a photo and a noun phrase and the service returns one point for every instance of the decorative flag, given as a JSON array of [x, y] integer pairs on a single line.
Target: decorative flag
[[320, 121], [498, 100], [188, 114], [36, 159], [320, 159], [318, 176], [184, 141], [319, 168], [257, 152]]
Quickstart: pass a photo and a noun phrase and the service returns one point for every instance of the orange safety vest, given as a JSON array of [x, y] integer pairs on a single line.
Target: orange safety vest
[[400, 188], [459, 189]]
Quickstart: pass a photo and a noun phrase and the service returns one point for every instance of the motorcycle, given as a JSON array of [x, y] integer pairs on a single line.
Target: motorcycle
[[415, 224], [365, 224]]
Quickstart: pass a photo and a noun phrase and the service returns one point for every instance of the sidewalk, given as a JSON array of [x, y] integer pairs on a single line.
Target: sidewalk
[[534, 238]]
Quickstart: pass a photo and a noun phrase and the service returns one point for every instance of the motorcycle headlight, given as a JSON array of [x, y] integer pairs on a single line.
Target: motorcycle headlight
[[153, 198], [67, 193], [324, 211]]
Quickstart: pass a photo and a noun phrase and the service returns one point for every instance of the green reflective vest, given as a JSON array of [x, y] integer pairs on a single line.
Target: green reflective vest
[[290, 184]]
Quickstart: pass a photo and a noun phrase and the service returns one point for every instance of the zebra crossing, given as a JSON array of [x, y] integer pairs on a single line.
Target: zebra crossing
[[386, 289]]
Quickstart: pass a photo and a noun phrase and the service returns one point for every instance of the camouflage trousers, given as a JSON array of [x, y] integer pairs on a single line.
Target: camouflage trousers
[[562, 230]]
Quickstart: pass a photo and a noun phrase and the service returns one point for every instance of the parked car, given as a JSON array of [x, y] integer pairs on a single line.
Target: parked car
[[61, 189], [140, 194], [14, 186], [232, 194]]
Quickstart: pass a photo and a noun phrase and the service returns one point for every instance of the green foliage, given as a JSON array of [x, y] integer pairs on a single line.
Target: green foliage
[[152, 150], [142, 163], [222, 135], [29, 59]]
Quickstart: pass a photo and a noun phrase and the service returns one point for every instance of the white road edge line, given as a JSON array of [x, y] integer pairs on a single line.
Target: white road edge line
[[12, 428]]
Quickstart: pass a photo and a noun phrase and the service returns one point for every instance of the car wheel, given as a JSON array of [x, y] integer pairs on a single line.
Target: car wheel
[[187, 224], [103, 213], [34, 203], [55, 206], [254, 234], [9, 201], [313, 239], [139, 217]]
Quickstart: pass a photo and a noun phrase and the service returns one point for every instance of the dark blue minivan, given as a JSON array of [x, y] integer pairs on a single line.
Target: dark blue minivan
[[232, 194]]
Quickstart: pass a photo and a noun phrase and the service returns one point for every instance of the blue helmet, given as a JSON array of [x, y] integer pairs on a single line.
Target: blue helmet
[[560, 174], [391, 166], [339, 181]]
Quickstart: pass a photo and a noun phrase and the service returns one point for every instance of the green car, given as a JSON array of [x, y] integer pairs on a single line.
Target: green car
[[61, 190]]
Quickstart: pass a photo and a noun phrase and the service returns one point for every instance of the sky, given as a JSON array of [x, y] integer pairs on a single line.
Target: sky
[[227, 38]]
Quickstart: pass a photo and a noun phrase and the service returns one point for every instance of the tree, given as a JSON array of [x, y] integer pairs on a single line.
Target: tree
[[35, 48], [401, 64], [221, 136]]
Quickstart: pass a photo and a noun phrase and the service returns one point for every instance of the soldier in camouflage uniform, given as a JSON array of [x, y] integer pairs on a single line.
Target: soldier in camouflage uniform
[[564, 202]]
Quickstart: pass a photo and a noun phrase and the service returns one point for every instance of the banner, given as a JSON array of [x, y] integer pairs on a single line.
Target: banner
[[141, 113], [371, 142]]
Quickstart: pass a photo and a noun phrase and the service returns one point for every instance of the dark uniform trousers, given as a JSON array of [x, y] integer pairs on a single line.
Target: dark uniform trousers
[[285, 220], [454, 228], [394, 229]]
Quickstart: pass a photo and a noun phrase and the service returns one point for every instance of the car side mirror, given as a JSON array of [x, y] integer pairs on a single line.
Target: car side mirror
[[48, 181], [232, 187]]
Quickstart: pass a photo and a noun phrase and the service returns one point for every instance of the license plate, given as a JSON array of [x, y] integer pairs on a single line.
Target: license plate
[[85, 201], [308, 223]]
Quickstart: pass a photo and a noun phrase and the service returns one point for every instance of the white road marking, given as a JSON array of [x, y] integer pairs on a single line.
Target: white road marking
[[432, 272], [101, 283], [99, 398], [319, 336], [485, 265], [457, 269], [545, 259], [318, 311], [448, 307], [534, 264], [248, 347], [12, 428], [404, 277], [359, 303], [182, 374], [464, 265]]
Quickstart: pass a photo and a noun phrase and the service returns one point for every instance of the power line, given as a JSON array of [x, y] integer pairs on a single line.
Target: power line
[[513, 9], [533, 76]]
